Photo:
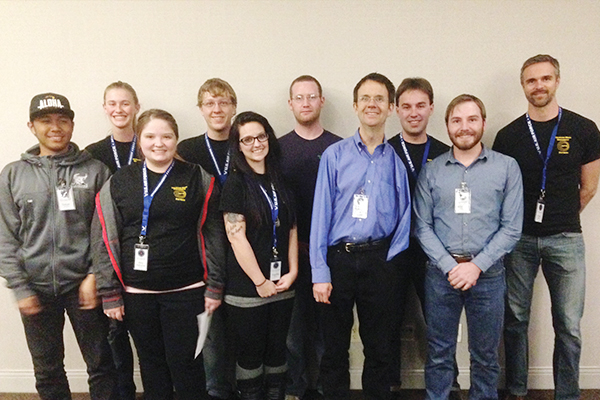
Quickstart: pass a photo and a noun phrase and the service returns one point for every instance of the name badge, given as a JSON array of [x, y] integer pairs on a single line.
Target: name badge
[[539, 211], [462, 200], [360, 206], [66, 200], [275, 274], [140, 262]]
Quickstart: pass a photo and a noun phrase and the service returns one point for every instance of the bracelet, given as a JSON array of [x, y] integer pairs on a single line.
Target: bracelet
[[265, 281]]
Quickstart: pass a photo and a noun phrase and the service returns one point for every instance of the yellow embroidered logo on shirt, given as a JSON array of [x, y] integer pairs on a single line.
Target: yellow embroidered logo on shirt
[[562, 144], [179, 192]]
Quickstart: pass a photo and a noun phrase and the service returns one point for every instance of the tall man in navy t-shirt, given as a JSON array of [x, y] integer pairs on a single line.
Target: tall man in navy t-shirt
[[301, 152], [558, 152]]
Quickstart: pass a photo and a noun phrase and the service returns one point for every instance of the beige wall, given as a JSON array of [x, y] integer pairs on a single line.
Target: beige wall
[[166, 49]]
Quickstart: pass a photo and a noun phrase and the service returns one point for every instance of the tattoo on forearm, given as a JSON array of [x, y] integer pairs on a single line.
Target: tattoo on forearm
[[233, 223]]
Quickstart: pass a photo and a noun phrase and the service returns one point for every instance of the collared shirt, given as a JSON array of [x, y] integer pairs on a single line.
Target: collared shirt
[[493, 226], [347, 168]]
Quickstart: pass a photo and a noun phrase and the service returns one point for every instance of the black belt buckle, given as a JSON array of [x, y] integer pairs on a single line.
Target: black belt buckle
[[366, 246]]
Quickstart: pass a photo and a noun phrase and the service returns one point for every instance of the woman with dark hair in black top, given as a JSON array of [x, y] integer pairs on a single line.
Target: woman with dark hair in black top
[[262, 262]]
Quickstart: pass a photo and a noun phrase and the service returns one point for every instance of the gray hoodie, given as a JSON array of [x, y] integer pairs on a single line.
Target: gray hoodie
[[44, 250]]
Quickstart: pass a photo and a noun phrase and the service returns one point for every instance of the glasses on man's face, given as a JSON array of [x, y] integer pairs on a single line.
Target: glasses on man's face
[[367, 99], [249, 140], [300, 98], [211, 104]]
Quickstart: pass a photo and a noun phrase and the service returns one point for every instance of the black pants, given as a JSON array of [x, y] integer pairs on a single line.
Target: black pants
[[44, 333], [412, 265], [367, 280], [259, 334], [118, 338], [164, 328]]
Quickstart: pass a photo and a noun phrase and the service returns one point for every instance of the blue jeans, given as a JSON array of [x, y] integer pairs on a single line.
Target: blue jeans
[[484, 307], [44, 333], [562, 258]]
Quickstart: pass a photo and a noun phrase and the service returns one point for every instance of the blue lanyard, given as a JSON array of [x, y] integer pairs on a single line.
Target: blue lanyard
[[539, 150], [274, 205], [148, 197], [116, 155], [222, 175], [409, 160]]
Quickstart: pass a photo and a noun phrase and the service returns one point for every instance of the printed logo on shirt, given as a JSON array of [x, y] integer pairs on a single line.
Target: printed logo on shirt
[[179, 192], [562, 144], [136, 159], [79, 181]]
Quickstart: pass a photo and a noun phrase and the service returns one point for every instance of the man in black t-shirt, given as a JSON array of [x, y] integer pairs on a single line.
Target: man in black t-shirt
[[558, 152], [301, 152], [414, 106], [217, 102]]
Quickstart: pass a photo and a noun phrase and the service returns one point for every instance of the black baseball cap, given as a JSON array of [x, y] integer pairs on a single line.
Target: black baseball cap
[[49, 103]]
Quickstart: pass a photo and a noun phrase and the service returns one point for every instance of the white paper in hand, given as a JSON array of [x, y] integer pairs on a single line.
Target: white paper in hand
[[203, 324]]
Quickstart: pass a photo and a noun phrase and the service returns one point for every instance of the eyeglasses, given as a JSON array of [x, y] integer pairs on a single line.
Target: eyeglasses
[[310, 97], [367, 99], [212, 104], [249, 140]]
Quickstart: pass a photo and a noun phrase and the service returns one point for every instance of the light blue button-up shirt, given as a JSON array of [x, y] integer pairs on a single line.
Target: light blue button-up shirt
[[347, 168], [493, 227]]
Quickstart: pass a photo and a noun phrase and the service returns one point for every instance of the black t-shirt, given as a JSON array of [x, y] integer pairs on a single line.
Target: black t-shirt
[[577, 143], [234, 200], [195, 151], [416, 152], [300, 165], [102, 151], [173, 259]]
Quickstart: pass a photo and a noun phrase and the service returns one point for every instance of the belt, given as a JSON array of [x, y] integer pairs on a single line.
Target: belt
[[349, 247], [462, 258]]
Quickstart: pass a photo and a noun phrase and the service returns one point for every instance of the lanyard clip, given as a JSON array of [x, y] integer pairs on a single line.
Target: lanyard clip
[[275, 252], [142, 237], [542, 194]]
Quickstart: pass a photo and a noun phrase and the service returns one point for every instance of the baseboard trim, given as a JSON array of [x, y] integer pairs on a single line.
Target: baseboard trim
[[22, 381], [539, 378]]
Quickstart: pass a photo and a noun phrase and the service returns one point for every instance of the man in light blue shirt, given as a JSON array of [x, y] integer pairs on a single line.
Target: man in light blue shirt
[[361, 220], [469, 211]]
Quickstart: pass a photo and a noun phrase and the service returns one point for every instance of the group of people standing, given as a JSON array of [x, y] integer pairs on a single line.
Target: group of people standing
[[278, 240]]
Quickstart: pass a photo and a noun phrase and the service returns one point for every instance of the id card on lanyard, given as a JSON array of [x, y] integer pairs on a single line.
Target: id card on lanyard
[[275, 265], [409, 160], [541, 203], [64, 196], [113, 146], [141, 249], [222, 175]]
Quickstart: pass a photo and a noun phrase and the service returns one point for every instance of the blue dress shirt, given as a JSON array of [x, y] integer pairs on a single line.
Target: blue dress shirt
[[493, 227], [347, 168]]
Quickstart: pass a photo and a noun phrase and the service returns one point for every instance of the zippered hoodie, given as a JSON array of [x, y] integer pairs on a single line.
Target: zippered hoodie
[[44, 250], [106, 248]]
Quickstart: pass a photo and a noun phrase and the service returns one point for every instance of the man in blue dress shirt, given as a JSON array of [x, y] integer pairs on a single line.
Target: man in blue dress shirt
[[469, 212], [361, 220]]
